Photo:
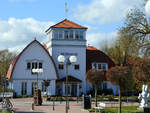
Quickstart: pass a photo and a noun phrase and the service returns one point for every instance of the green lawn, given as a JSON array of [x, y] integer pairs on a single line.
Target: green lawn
[[130, 109], [2, 112]]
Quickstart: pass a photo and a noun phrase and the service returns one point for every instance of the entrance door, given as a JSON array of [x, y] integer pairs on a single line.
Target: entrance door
[[74, 90], [69, 89]]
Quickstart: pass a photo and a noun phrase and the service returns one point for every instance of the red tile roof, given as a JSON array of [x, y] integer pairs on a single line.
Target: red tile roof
[[95, 55], [12, 64], [67, 24], [15, 59]]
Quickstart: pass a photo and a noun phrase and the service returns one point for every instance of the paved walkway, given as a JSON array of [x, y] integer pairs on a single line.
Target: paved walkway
[[24, 105]]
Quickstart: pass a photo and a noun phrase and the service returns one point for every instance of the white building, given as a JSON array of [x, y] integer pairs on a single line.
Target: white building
[[65, 38]]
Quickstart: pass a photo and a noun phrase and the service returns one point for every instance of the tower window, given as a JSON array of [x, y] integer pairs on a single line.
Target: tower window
[[66, 34], [81, 34], [77, 67], [61, 66], [60, 34], [56, 34], [71, 34], [77, 34]]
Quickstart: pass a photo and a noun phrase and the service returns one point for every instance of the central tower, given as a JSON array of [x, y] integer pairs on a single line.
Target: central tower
[[68, 38]]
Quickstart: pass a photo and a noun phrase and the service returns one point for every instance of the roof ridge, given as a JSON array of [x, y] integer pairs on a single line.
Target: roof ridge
[[67, 24]]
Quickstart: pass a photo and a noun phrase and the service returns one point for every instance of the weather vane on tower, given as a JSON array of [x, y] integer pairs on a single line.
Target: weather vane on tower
[[66, 9]]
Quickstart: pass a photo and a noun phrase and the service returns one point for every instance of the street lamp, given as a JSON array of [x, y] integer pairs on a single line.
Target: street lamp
[[37, 72], [69, 61], [147, 7]]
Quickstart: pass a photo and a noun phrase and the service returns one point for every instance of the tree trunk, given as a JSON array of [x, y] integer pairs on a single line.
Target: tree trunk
[[96, 87], [119, 100]]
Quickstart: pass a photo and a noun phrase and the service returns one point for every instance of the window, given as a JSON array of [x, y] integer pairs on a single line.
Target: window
[[24, 88], [34, 85], [40, 65], [60, 34], [81, 34], [71, 34], [76, 67], [43, 87], [61, 66], [28, 65], [33, 65], [103, 66], [104, 85], [56, 34], [77, 34], [66, 34]]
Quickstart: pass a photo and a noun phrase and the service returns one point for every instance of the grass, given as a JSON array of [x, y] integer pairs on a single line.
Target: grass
[[128, 109], [2, 112]]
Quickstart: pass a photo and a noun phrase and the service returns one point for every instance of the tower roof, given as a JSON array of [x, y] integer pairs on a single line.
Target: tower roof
[[67, 24]]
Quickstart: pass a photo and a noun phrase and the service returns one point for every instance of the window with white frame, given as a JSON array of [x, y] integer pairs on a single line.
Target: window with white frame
[[81, 34], [34, 65], [58, 34], [103, 66], [77, 35], [66, 34], [71, 34]]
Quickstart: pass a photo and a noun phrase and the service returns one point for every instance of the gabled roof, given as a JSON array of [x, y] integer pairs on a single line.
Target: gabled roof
[[67, 24], [95, 55], [15, 59]]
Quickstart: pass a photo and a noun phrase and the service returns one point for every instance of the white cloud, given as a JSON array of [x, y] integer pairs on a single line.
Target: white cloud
[[17, 33], [98, 39], [105, 11]]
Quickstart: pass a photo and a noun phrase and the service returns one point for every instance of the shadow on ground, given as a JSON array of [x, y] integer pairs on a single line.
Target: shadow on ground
[[28, 112]]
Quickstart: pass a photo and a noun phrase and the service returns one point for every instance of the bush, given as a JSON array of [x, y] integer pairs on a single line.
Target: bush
[[100, 92]]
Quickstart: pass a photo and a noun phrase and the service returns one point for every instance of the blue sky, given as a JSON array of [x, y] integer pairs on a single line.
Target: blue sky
[[22, 20]]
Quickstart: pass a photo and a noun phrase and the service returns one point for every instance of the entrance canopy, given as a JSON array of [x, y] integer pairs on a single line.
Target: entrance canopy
[[70, 79]]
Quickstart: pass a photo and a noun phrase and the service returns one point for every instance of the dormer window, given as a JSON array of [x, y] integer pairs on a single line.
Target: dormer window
[[103, 66]]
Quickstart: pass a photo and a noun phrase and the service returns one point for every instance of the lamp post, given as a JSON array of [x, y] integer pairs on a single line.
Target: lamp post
[[37, 72], [69, 61]]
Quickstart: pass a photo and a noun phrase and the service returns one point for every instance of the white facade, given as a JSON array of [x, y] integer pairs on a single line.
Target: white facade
[[68, 47], [61, 41], [22, 78]]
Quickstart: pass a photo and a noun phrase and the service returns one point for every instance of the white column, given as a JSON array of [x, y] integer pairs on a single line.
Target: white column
[[63, 86], [78, 91], [74, 36]]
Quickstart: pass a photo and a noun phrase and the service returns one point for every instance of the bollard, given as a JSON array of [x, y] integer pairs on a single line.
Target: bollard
[[53, 105], [32, 106], [68, 105], [77, 99]]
